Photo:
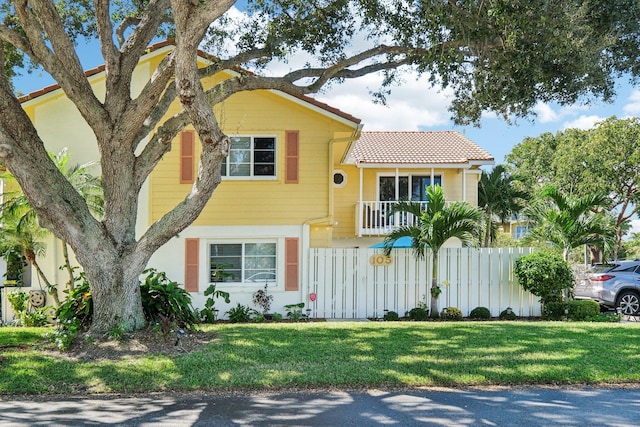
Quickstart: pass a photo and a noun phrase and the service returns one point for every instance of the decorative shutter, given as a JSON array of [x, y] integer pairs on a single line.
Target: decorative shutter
[[191, 258], [292, 156], [291, 255], [187, 157]]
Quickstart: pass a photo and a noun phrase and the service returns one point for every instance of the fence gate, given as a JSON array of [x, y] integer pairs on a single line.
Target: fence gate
[[360, 283]]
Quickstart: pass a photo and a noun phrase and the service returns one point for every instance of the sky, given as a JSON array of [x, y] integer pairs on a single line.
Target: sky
[[415, 105]]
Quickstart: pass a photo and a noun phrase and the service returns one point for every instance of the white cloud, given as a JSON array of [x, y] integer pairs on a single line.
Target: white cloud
[[413, 105], [635, 226], [632, 107], [582, 122], [544, 113]]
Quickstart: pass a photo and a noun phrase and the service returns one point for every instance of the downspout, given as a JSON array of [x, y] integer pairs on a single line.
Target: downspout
[[329, 217], [464, 184]]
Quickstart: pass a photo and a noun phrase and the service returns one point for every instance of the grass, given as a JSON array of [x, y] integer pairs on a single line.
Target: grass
[[346, 355]]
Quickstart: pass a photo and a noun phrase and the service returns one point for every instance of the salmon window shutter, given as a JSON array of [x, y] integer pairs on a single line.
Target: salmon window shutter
[[292, 156], [292, 262], [187, 157], [191, 255]]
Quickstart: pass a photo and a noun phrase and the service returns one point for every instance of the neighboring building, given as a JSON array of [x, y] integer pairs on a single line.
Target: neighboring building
[[300, 175]]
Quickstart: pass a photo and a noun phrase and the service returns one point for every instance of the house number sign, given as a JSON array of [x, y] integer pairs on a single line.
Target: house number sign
[[380, 260]]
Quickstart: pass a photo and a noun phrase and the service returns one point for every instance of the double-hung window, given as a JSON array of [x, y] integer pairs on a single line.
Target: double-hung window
[[243, 262], [250, 156]]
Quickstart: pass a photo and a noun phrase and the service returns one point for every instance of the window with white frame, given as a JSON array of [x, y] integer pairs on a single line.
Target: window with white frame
[[521, 230], [250, 156], [243, 262]]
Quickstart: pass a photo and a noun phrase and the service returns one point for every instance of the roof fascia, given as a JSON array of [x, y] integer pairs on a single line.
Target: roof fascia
[[315, 108]]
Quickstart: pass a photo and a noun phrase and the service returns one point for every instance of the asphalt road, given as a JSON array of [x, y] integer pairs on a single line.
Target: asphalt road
[[442, 407]]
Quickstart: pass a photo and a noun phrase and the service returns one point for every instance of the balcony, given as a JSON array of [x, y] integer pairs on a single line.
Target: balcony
[[373, 218]]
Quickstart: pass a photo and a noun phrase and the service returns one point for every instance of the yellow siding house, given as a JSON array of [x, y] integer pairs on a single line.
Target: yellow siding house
[[300, 175]]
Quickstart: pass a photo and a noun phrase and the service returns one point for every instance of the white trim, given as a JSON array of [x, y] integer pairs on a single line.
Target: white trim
[[344, 178], [252, 161], [419, 165], [279, 257], [398, 175]]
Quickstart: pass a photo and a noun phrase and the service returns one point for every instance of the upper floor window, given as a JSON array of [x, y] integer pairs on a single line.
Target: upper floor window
[[250, 156]]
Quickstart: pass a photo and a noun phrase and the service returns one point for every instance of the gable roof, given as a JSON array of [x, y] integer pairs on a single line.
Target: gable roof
[[155, 48], [448, 149]]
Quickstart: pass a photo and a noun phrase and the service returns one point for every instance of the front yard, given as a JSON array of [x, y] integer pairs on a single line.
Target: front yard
[[343, 355]]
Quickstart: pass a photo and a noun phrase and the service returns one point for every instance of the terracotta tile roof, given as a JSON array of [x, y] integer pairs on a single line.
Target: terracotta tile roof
[[202, 54], [414, 148]]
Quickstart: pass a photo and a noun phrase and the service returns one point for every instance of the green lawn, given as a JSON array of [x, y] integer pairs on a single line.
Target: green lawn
[[267, 356]]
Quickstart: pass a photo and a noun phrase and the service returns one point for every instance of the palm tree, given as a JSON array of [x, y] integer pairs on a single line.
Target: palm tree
[[499, 198], [434, 225], [569, 222], [19, 225]]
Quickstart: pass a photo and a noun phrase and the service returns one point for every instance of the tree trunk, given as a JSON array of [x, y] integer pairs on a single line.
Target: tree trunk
[[487, 231], [434, 313], [115, 287], [71, 284], [116, 299]]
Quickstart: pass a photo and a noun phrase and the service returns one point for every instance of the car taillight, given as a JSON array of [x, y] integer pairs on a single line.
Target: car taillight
[[602, 278]]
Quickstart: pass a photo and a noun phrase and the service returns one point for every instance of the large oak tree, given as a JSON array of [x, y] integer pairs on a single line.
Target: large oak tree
[[496, 55]]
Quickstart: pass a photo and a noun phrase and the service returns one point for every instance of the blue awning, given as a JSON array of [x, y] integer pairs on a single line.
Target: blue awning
[[402, 242]]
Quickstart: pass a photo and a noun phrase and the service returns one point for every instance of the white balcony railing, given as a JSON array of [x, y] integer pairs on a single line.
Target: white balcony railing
[[374, 218]]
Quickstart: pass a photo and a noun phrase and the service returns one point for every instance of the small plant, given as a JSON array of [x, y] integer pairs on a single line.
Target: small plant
[[418, 314], [19, 303], [262, 299], [391, 316], [207, 314], [259, 318], [37, 317], [64, 333], [240, 313], [482, 313], [117, 332], [580, 310], [276, 317], [507, 314], [294, 311], [451, 313], [78, 305], [163, 297], [604, 317]]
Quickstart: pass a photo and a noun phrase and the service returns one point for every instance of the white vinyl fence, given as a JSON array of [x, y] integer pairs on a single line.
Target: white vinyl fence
[[347, 284]]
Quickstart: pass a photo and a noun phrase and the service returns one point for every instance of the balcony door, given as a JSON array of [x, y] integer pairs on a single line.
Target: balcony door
[[388, 192]]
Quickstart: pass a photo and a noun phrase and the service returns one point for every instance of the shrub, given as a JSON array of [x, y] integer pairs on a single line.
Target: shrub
[[276, 317], [77, 307], [451, 313], [580, 310], [554, 310], [294, 311], [480, 313], [545, 275], [38, 317], [240, 313], [507, 314], [164, 300], [391, 316], [418, 314], [19, 302]]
